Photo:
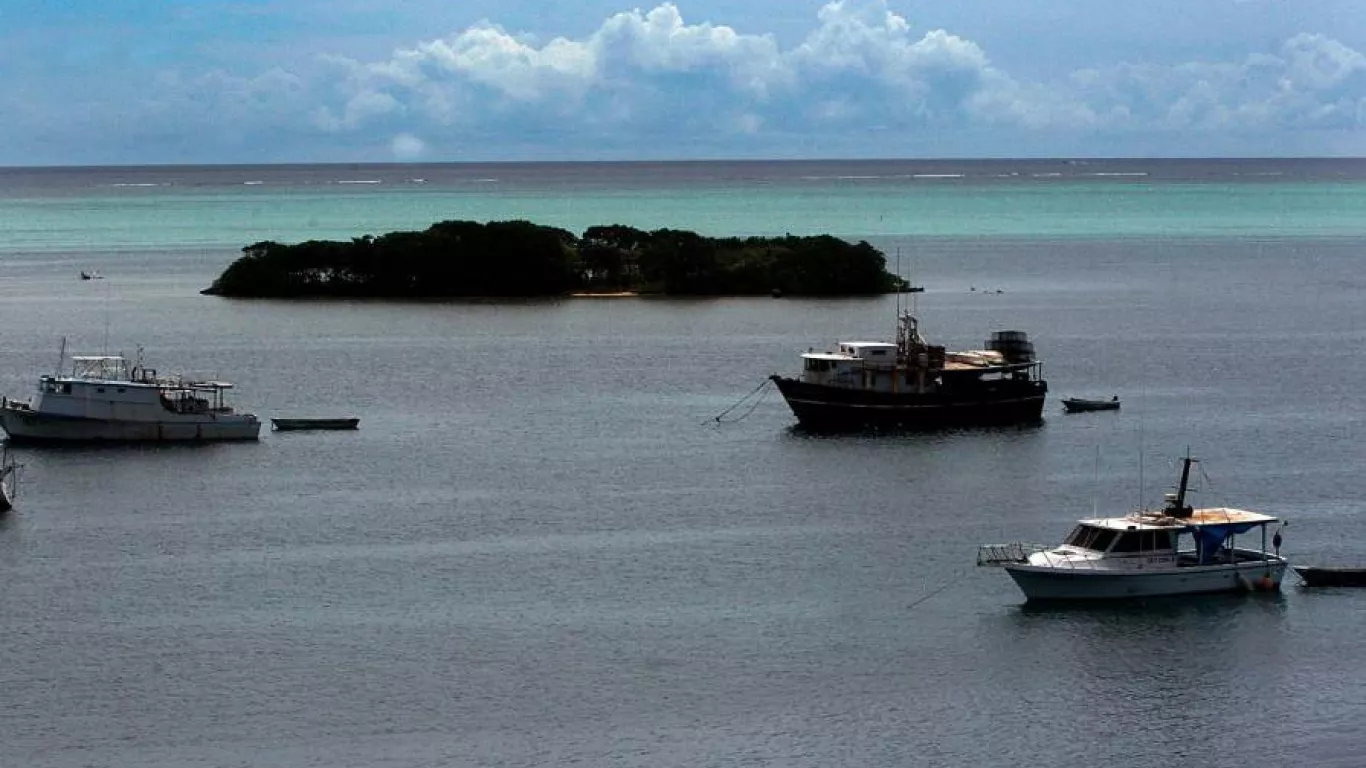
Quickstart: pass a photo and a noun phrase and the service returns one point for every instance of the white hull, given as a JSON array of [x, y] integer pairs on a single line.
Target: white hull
[[29, 426], [6, 489], [1061, 583]]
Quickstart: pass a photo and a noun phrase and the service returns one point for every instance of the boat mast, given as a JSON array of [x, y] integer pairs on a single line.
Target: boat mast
[[1180, 509], [899, 283], [61, 357]]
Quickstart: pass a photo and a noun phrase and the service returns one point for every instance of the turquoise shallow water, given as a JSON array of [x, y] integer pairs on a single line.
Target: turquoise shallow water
[[129, 209], [540, 549]]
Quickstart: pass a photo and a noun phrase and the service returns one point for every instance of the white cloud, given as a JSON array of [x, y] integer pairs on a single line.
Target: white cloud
[[646, 74], [407, 147], [653, 82], [1319, 63], [1312, 82]]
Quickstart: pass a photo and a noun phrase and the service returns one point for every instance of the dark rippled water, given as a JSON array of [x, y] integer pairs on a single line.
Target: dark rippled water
[[540, 549]]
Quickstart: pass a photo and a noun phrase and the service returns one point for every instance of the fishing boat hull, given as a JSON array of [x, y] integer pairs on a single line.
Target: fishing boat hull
[[1331, 577], [828, 408], [24, 425], [298, 424], [1042, 583]]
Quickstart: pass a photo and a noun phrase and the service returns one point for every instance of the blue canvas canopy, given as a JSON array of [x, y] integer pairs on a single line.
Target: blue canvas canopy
[[1209, 538]]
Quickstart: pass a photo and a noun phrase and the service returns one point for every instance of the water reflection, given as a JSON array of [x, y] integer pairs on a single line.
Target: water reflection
[[1174, 607], [797, 431]]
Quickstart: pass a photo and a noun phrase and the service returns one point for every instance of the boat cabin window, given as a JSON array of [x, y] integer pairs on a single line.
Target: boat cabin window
[[819, 366], [1090, 537], [1143, 541], [1103, 539]]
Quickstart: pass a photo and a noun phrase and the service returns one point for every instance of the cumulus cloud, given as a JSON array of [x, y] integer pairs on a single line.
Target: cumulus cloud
[[1312, 82], [652, 75], [654, 82], [407, 147]]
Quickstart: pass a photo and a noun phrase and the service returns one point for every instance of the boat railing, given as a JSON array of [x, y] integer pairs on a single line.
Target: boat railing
[[1010, 553]]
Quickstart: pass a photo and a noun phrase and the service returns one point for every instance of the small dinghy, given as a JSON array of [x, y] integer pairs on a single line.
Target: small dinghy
[[295, 424], [1330, 576], [1081, 404]]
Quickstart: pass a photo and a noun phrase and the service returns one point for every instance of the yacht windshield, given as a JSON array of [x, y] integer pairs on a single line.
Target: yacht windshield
[[1090, 537]]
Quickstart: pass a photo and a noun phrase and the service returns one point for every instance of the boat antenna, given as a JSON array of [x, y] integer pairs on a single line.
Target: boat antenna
[[1095, 483], [1140, 463], [900, 284], [106, 320]]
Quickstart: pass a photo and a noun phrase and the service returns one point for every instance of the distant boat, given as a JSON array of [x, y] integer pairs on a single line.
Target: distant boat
[[1328, 576], [1081, 404], [91, 275], [296, 424]]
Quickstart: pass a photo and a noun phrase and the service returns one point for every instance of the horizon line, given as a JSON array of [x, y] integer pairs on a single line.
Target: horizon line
[[702, 161]]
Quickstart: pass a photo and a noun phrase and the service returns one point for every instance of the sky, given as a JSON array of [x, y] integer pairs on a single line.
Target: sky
[[122, 82]]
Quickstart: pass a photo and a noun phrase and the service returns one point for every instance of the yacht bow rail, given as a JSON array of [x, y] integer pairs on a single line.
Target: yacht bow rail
[[1009, 553]]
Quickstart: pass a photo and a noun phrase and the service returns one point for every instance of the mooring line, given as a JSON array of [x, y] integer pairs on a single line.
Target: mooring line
[[719, 418], [954, 579]]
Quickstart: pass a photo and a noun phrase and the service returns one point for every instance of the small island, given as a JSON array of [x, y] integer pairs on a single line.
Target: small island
[[455, 259]]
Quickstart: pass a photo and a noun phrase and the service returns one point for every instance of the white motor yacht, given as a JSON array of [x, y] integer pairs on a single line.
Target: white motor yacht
[[1177, 550]]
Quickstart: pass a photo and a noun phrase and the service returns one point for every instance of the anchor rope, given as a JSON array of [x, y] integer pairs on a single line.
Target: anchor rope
[[953, 579], [760, 390]]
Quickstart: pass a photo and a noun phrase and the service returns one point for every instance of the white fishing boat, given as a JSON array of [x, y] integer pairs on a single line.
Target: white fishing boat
[[9, 479], [1176, 550], [104, 398]]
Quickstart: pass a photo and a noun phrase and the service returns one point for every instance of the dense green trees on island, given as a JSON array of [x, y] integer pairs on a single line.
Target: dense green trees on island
[[519, 258]]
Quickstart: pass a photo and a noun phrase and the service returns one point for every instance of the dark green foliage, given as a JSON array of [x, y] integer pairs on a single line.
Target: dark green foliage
[[519, 258]]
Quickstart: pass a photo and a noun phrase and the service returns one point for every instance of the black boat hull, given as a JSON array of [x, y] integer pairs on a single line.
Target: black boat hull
[[285, 425], [830, 409], [1086, 406], [1331, 577]]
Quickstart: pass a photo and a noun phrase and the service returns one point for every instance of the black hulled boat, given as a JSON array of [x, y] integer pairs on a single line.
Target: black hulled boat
[[915, 385]]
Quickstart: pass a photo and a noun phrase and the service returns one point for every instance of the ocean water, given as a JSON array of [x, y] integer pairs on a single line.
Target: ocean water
[[542, 548]]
